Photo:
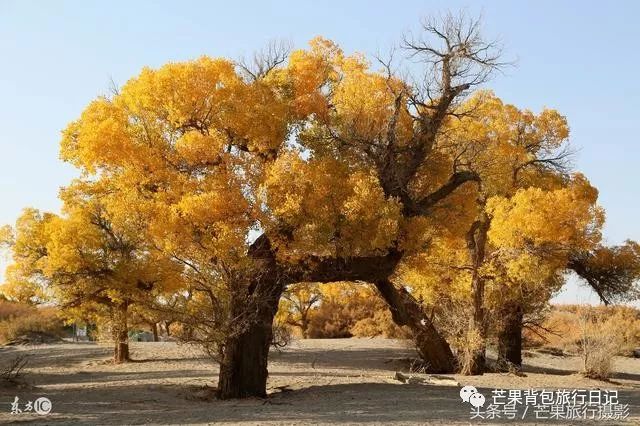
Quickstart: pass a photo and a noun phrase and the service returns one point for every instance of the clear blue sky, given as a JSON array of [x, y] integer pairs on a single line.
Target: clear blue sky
[[55, 56]]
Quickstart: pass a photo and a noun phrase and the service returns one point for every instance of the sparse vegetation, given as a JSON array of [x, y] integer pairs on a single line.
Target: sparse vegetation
[[336, 310], [600, 341], [22, 323], [11, 371], [567, 326]]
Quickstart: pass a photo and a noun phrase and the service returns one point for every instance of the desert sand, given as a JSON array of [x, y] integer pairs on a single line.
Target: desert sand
[[333, 381]]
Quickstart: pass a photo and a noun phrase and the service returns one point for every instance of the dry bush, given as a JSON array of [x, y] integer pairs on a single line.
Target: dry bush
[[352, 310], [627, 325], [332, 321], [600, 341], [282, 335], [32, 325], [10, 372], [558, 334], [467, 343], [454, 322], [563, 328], [9, 310], [381, 324]]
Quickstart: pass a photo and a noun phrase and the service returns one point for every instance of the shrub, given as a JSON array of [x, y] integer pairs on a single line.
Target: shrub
[[626, 321], [559, 331], [9, 310], [468, 343], [454, 321], [562, 329], [380, 324], [600, 341], [29, 324], [349, 309], [332, 321]]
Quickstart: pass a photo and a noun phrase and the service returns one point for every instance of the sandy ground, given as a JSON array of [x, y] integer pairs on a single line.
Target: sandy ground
[[327, 382]]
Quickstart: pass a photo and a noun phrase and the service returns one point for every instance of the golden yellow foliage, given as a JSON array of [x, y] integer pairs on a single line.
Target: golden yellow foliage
[[204, 178]]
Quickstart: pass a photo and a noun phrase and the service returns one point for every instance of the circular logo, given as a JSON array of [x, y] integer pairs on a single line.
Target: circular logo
[[42, 406], [477, 400], [466, 392]]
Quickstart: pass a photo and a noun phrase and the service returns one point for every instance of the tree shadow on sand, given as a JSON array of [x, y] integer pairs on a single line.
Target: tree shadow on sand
[[341, 403]]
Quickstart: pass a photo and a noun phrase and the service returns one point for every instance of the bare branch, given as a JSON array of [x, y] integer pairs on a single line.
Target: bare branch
[[457, 55], [265, 60]]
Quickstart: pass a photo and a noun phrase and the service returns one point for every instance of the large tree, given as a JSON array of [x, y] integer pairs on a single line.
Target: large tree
[[314, 167], [254, 178]]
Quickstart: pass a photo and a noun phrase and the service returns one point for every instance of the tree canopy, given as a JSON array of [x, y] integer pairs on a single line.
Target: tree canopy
[[223, 183]]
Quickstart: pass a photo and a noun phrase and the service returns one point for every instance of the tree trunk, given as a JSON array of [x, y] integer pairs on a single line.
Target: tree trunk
[[167, 328], [121, 334], [304, 326], [510, 337], [477, 363], [243, 365], [154, 330], [476, 244], [243, 368], [406, 311], [244, 355]]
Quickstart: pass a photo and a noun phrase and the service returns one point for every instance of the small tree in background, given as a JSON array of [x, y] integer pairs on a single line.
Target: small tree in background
[[89, 261], [297, 305]]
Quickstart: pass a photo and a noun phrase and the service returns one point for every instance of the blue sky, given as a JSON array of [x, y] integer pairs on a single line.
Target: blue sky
[[578, 57]]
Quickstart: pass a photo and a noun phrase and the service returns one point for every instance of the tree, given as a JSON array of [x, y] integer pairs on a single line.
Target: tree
[[568, 232], [493, 131], [312, 167], [520, 158], [89, 261], [25, 280], [215, 151], [612, 272], [296, 305], [233, 181]]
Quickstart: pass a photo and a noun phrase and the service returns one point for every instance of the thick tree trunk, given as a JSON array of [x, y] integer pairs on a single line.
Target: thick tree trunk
[[476, 244], [244, 356], [121, 334], [510, 338], [243, 367], [477, 363], [406, 311]]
